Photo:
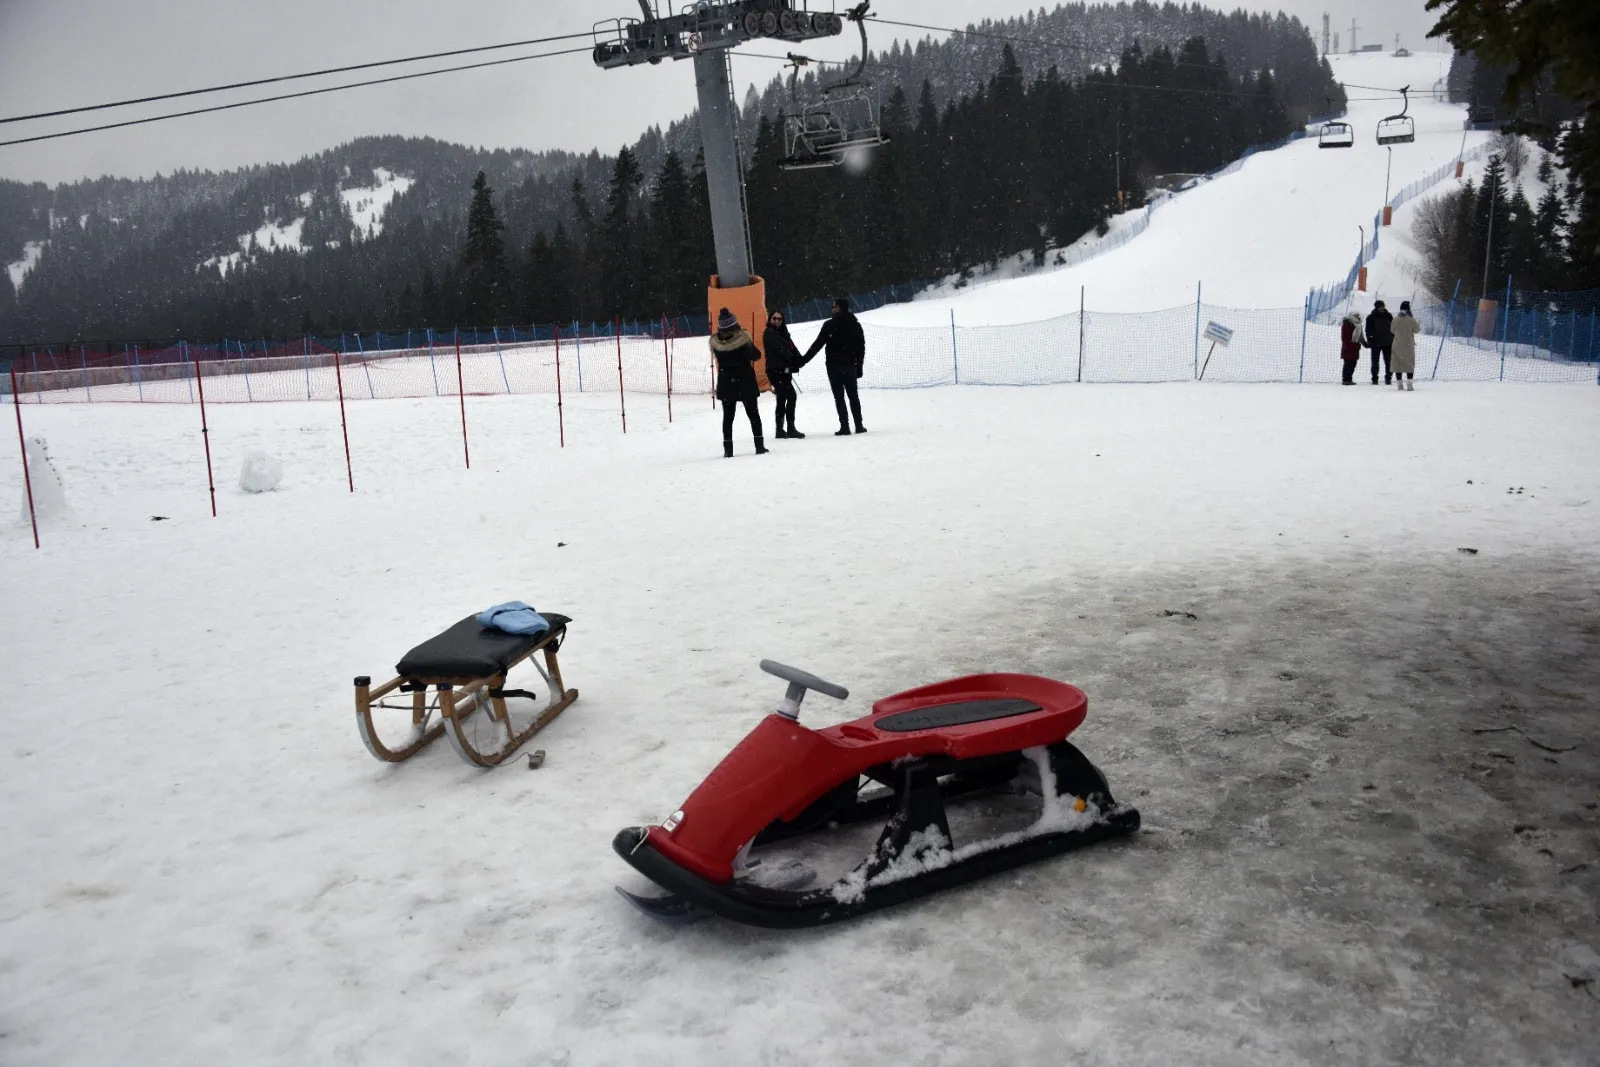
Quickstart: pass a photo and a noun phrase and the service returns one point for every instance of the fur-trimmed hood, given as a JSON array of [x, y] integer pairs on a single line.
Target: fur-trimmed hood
[[728, 344]]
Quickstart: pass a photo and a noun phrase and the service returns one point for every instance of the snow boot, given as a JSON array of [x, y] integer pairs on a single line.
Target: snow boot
[[727, 448], [761, 449], [780, 433], [1409, 387], [843, 431], [860, 428], [1400, 385], [795, 434]]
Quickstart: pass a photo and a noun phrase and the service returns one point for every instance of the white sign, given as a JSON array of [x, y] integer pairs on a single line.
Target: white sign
[[1218, 334]]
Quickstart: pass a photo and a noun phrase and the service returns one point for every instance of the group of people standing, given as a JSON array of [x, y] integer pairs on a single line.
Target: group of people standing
[[1391, 339], [736, 354]]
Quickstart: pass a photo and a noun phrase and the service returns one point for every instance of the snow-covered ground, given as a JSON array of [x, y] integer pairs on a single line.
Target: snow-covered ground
[[368, 203], [1262, 237], [1366, 766], [31, 251]]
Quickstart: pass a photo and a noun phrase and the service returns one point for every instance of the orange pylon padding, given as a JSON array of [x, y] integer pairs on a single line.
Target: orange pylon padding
[[749, 303], [1361, 279]]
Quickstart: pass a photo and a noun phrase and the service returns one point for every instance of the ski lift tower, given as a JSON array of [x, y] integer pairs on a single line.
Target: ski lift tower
[[705, 31]]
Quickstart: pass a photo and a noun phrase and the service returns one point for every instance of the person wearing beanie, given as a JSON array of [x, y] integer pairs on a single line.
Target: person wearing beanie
[[1350, 346], [846, 358], [736, 354], [783, 359], [1405, 329], [1380, 338]]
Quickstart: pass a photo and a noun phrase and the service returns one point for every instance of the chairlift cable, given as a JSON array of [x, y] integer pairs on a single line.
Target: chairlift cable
[[293, 77], [292, 96]]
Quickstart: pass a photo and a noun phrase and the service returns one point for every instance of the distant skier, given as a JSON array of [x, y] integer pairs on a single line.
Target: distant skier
[[847, 353], [1405, 330], [783, 359], [1350, 341], [736, 356], [1380, 338]]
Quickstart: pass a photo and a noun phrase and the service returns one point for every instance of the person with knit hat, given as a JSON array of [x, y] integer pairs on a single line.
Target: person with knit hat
[[736, 354], [1404, 359], [846, 358]]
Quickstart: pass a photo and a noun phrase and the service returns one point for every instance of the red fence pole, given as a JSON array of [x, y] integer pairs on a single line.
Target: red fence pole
[[666, 358], [27, 480], [338, 375], [561, 419], [205, 435], [616, 326], [461, 388]]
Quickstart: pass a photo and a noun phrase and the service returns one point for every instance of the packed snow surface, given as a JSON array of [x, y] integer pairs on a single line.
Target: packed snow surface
[[1366, 766], [1261, 237]]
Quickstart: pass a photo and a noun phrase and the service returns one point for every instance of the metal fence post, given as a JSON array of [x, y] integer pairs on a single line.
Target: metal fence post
[[1505, 328], [1082, 315], [1305, 325], [577, 340], [955, 355], [138, 374], [83, 356], [1449, 320], [1197, 291], [431, 364], [503, 376]]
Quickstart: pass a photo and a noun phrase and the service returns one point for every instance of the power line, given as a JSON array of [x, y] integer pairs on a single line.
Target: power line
[[291, 77], [291, 96]]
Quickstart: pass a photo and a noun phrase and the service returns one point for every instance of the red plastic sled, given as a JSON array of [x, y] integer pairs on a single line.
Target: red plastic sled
[[985, 734]]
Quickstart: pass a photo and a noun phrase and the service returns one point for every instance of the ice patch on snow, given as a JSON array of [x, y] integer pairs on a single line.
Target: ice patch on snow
[[30, 259]]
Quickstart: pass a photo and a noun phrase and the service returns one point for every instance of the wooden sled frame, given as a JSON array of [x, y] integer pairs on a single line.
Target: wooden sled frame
[[457, 699]]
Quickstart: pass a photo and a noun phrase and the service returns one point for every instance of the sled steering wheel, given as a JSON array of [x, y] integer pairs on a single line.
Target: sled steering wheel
[[799, 682]]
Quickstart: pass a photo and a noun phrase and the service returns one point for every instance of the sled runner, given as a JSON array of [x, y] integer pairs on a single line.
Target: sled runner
[[741, 846], [466, 667]]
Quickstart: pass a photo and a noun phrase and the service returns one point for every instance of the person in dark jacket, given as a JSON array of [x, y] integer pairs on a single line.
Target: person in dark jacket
[[1380, 338], [783, 359], [847, 354], [1350, 346], [736, 354]]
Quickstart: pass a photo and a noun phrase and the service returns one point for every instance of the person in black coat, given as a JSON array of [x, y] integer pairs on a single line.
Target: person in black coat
[[1380, 338], [736, 354], [847, 353], [783, 360]]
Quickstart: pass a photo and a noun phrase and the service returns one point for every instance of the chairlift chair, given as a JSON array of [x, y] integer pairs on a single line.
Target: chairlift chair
[[1401, 128], [846, 120], [1336, 135]]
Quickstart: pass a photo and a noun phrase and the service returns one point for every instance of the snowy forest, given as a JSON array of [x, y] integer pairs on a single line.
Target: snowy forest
[[995, 150]]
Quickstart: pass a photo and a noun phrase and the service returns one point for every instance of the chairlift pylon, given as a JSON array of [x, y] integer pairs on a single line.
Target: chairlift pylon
[[845, 120], [1401, 128]]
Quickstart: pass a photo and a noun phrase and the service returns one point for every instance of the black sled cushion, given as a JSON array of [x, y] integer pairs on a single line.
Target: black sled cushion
[[471, 650]]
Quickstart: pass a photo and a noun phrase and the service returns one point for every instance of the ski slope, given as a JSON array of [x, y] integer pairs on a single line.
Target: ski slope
[[1261, 237]]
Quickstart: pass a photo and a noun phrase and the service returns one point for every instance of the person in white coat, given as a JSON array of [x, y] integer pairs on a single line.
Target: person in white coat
[[1404, 360]]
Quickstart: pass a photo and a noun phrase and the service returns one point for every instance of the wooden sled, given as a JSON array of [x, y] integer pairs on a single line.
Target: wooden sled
[[466, 666]]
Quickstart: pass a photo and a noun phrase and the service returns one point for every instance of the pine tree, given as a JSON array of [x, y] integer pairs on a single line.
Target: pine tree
[[483, 261], [1550, 239], [620, 275]]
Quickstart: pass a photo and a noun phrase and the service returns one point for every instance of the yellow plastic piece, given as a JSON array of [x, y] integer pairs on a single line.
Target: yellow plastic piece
[[1079, 805], [749, 302]]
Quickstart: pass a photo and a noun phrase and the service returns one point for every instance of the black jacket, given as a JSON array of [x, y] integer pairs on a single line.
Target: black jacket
[[783, 357], [846, 344], [1380, 329], [736, 367]]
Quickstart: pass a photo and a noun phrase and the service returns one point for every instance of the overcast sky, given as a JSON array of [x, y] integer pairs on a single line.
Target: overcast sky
[[65, 53]]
